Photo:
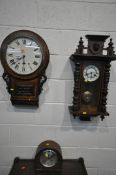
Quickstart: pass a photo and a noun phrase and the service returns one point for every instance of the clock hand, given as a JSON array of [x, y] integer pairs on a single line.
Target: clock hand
[[23, 59], [88, 75], [91, 74], [17, 60], [23, 68], [30, 66]]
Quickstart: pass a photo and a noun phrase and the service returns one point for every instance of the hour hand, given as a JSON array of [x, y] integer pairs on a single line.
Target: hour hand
[[23, 59], [19, 58]]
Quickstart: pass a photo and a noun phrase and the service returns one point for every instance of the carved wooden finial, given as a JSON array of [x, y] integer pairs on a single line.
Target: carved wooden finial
[[80, 46], [110, 49]]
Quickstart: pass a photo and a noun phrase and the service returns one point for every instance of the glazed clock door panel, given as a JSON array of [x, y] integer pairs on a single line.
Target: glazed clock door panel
[[90, 85]]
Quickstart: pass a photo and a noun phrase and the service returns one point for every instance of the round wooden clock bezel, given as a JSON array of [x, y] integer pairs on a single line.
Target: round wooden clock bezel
[[28, 35]]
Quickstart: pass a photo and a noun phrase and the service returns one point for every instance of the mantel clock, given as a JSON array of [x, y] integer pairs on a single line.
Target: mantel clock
[[48, 157], [91, 77], [24, 57]]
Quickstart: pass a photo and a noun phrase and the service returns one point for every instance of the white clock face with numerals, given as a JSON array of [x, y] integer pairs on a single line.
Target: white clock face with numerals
[[91, 73], [23, 56]]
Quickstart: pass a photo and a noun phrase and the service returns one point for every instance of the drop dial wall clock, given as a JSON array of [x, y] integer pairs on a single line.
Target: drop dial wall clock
[[25, 57], [91, 77], [48, 157]]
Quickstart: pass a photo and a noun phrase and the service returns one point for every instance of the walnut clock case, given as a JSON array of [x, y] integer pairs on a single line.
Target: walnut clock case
[[91, 77], [24, 57]]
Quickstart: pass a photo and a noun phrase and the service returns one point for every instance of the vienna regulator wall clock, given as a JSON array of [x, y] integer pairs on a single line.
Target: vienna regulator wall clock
[[24, 57], [91, 77]]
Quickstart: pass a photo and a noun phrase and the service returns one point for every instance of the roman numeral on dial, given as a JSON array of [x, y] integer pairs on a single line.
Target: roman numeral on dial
[[12, 61], [23, 69], [11, 47], [10, 54], [37, 56], [24, 41], [35, 63], [17, 42], [36, 49], [17, 66]]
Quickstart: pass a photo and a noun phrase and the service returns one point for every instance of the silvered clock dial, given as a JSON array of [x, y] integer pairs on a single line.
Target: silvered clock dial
[[48, 158]]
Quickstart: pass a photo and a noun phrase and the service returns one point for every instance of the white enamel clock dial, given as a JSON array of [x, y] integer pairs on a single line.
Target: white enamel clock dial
[[91, 73], [48, 158], [23, 56]]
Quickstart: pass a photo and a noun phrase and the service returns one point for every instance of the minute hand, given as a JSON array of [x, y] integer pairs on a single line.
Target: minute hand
[[18, 59], [23, 59], [23, 68]]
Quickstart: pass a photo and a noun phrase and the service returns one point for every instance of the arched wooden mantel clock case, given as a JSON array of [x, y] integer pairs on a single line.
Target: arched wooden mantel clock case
[[91, 77], [25, 57]]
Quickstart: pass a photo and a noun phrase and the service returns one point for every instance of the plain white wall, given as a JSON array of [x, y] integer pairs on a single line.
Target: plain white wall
[[61, 23]]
